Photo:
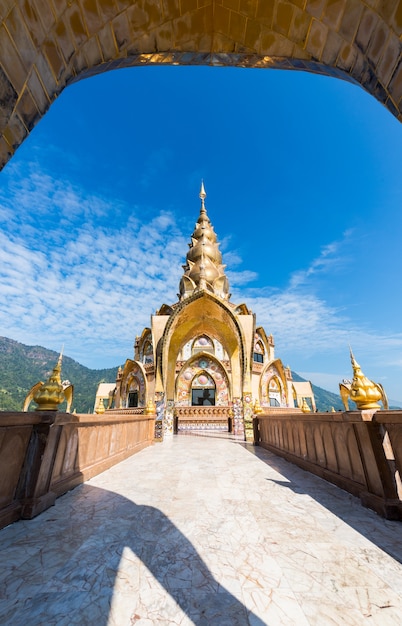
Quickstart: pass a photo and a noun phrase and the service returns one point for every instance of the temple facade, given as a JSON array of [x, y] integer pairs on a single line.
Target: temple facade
[[204, 362]]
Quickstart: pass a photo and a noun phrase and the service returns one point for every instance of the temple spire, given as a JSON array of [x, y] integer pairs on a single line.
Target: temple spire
[[203, 269], [202, 195]]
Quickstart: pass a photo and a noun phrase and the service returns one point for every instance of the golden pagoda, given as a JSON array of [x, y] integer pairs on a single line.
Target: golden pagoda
[[203, 361]]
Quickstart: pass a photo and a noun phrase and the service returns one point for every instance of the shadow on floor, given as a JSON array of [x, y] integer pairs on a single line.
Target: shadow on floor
[[76, 570], [385, 534]]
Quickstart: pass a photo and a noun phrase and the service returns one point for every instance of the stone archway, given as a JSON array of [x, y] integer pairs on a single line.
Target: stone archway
[[47, 44]]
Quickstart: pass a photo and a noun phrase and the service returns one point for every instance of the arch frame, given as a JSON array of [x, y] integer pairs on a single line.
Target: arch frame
[[43, 51], [220, 368], [277, 365], [131, 368], [202, 313]]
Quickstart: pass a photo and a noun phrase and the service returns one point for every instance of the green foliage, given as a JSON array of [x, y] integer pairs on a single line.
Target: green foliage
[[22, 366]]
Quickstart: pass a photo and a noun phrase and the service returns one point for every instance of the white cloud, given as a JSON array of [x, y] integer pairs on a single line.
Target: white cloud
[[330, 259]]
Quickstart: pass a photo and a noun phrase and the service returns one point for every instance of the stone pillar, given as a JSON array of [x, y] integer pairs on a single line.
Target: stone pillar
[[168, 420], [160, 411], [238, 422], [248, 417]]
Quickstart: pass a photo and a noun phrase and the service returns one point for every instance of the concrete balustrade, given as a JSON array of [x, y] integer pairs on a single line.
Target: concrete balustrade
[[360, 451], [45, 454]]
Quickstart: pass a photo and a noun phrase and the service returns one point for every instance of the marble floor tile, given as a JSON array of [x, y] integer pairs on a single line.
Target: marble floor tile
[[203, 531]]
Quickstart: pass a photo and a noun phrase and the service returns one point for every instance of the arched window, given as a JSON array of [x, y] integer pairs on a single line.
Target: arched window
[[203, 344], [132, 393], [259, 351], [148, 355], [203, 390], [274, 392]]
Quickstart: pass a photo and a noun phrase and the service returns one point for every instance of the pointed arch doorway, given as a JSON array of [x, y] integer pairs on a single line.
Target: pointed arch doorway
[[203, 395]]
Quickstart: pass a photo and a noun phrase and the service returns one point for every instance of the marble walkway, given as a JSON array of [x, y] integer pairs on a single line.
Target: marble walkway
[[204, 531]]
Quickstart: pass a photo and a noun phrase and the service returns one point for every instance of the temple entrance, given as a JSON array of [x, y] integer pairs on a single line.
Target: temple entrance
[[132, 399], [203, 390]]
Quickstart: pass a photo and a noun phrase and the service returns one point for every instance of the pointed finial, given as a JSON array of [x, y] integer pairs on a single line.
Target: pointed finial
[[61, 355], [355, 364], [363, 391], [203, 195]]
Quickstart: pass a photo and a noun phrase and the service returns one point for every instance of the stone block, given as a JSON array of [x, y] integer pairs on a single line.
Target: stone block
[[300, 27], [333, 13], [54, 58], [65, 40], [91, 16], [283, 17], [316, 38]]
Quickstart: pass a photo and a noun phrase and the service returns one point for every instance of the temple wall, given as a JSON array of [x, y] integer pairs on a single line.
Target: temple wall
[[44, 454], [360, 451], [255, 385]]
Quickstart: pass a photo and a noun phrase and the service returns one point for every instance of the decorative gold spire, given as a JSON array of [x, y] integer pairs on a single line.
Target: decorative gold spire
[[100, 408], [51, 393], [305, 407], [150, 409], [364, 392], [257, 409], [203, 195], [203, 269]]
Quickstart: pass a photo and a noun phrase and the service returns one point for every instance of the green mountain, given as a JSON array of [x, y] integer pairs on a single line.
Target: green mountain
[[22, 366], [324, 399]]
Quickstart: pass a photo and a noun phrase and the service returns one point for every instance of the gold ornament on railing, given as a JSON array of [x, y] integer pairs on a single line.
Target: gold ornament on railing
[[257, 410], [100, 409], [150, 408], [305, 407], [364, 392], [51, 394]]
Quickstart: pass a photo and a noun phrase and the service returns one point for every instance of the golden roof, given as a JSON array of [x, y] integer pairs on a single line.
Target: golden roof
[[203, 269]]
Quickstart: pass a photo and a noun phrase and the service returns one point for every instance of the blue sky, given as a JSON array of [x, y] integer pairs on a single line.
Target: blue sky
[[304, 189]]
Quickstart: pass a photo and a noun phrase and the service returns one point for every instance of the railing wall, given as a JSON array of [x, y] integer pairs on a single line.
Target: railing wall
[[360, 451], [44, 454]]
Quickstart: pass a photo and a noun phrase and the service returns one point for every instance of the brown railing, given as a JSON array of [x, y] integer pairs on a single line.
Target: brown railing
[[190, 417], [202, 413], [360, 451], [44, 454]]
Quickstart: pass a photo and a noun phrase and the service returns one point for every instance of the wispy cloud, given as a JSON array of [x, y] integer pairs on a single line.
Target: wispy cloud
[[330, 259]]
